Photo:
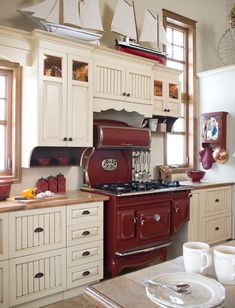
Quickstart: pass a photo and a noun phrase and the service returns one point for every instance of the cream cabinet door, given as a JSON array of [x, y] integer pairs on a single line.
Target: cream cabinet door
[[109, 81], [193, 224], [37, 276], [3, 236], [34, 231], [4, 284]]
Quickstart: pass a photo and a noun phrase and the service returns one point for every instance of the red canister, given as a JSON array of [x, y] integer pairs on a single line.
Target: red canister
[[42, 185], [61, 183], [52, 184]]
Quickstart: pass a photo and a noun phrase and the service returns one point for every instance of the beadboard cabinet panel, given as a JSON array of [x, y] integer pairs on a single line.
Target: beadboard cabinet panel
[[3, 236], [4, 284]]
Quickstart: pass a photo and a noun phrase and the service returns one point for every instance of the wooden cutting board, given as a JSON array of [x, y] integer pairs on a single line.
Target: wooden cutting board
[[39, 200]]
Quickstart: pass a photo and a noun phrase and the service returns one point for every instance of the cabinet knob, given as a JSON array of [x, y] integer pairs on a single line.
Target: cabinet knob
[[157, 217], [70, 139], [86, 233], [128, 95], [65, 138], [39, 275], [134, 220], [142, 222], [168, 110], [124, 94], [86, 273], [217, 200], [190, 195], [165, 110], [216, 228], [85, 253], [177, 209], [38, 230], [86, 212]]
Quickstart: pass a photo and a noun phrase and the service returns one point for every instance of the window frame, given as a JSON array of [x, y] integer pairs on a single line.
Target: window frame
[[178, 21], [14, 73]]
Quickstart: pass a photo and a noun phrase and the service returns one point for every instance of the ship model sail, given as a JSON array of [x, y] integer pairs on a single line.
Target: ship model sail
[[74, 18], [124, 23]]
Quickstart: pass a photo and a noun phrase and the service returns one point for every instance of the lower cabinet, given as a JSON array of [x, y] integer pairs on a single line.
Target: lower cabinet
[[210, 215], [37, 276], [51, 251]]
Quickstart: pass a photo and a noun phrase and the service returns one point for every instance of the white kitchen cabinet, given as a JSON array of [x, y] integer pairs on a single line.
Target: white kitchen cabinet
[[4, 284], [210, 215], [36, 276], [37, 230], [122, 84], [167, 92], [3, 236]]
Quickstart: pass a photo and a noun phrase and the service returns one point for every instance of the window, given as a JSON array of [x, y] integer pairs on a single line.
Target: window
[[179, 144], [10, 104]]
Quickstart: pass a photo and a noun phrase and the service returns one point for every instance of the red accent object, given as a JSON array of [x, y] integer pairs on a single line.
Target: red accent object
[[143, 54], [61, 183], [206, 158], [5, 187], [195, 176], [52, 184], [42, 185]]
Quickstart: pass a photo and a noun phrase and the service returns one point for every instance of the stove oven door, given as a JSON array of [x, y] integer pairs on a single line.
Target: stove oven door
[[154, 224]]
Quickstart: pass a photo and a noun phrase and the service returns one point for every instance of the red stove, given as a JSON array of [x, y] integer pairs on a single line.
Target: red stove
[[141, 216]]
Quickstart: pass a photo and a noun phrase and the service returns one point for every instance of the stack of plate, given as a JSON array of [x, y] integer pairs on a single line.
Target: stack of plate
[[205, 292]]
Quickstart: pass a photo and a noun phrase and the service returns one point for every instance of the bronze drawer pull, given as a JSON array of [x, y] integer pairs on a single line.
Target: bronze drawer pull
[[38, 230], [86, 273], [39, 275], [86, 233], [86, 212], [216, 200], [86, 253], [216, 228]]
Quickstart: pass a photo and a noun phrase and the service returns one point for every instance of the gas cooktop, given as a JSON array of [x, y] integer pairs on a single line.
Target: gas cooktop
[[139, 188]]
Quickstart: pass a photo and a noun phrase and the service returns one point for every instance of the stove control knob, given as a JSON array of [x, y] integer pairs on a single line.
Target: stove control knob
[[157, 217]]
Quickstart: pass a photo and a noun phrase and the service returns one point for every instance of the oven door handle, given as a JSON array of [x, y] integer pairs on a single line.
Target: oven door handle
[[149, 249]]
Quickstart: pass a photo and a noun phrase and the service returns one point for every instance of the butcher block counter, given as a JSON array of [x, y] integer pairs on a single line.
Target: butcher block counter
[[69, 198], [203, 184]]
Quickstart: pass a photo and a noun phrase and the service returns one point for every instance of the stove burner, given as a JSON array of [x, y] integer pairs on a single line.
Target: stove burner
[[135, 186]]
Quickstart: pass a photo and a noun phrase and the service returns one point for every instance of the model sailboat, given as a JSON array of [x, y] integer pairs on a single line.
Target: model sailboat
[[124, 23], [68, 17]]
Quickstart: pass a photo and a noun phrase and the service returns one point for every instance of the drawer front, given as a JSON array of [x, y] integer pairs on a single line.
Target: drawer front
[[84, 212], [84, 233], [85, 253], [216, 201], [4, 284], [35, 231], [3, 236], [33, 277], [216, 229], [86, 273]]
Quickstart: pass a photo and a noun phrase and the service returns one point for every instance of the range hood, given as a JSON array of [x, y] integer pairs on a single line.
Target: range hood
[[109, 134]]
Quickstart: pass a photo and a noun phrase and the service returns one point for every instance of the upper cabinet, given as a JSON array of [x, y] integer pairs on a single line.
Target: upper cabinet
[[167, 92], [57, 97], [122, 83]]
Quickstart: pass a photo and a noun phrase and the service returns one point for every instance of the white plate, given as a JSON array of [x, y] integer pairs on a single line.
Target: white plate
[[205, 292]]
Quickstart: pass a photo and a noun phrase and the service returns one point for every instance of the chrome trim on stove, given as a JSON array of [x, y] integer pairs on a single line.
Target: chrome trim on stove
[[149, 249]]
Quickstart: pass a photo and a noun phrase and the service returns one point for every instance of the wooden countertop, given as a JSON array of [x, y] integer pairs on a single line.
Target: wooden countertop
[[205, 184], [127, 291], [69, 198]]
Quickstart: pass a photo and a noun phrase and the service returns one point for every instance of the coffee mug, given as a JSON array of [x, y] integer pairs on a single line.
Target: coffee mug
[[197, 258], [224, 259]]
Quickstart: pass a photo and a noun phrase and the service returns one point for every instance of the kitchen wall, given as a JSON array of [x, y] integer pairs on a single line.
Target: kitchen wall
[[211, 17]]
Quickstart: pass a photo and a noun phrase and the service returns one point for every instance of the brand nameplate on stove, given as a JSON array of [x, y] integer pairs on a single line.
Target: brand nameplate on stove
[[109, 164]]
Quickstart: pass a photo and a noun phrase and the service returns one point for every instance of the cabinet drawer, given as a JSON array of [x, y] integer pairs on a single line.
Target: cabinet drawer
[[216, 229], [4, 284], [84, 233], [80, 254], [34, 231], [3, 236], [216, 201], [84, 212], [86, 273], [33, 277]]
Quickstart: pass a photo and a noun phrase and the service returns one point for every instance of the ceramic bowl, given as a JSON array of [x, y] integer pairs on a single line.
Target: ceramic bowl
[[196, 175]]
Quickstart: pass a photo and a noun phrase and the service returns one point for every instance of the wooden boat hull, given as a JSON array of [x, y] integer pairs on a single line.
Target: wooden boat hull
[[141, 51]]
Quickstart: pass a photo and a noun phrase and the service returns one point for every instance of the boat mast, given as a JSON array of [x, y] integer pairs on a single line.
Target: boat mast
[[137, 36]]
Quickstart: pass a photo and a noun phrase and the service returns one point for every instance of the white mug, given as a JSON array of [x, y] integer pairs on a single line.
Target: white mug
[[197, 258], [224, 259]]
